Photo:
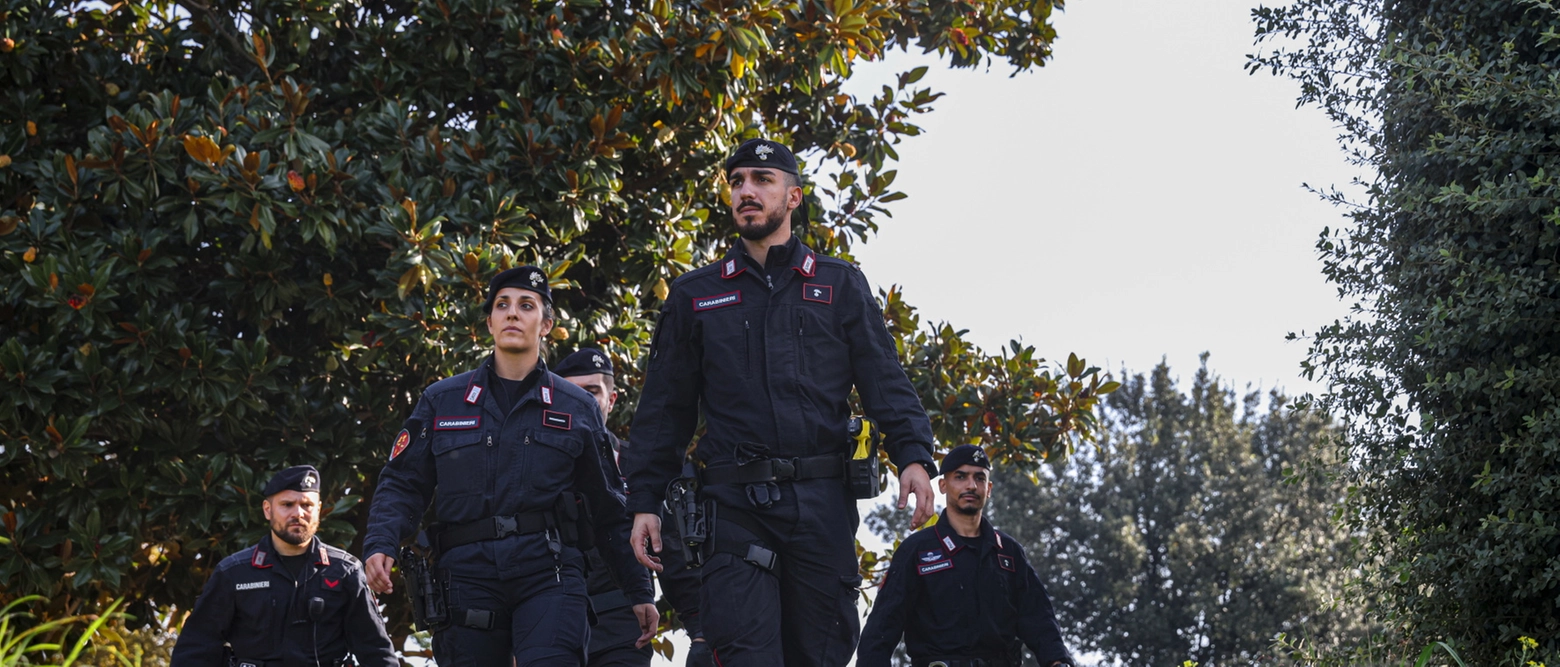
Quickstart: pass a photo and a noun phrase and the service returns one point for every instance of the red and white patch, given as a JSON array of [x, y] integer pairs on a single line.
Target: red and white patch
[[547, 395], [401, 441], [1006, 562], [474, 393], [730, 268]]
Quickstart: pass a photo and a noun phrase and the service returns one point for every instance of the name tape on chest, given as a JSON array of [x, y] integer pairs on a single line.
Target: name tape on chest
[[252, 585], [818, 293], [928, 568], [559, 420], [717, 301], [457, 423]]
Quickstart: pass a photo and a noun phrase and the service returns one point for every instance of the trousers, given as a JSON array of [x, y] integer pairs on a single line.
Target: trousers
[[538, 620], [803, 612]]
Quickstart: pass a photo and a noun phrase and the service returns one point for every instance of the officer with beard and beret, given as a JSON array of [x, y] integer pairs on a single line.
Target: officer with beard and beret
[[509, 455], [961, 593], [290, 600], [766, 346], [612, 640]]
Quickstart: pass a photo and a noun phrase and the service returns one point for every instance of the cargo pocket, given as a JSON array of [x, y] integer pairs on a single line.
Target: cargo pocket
[[463, 468]]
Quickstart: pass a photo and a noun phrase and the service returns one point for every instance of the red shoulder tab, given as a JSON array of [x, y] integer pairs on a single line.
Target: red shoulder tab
[[731, 268]]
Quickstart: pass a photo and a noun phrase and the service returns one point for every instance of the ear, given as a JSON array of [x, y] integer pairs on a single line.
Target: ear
[[942, 484], [265, 506], [793, 197]]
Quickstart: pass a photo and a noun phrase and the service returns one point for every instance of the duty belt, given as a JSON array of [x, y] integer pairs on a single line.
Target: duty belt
[[492, 528], [955, 661], [775, 470]]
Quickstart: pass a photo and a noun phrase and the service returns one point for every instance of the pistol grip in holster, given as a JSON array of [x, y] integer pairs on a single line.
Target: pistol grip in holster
[[430, 597]]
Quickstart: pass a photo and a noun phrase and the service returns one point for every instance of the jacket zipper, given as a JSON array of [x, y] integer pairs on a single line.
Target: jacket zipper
[[747, 348], [801, 347]]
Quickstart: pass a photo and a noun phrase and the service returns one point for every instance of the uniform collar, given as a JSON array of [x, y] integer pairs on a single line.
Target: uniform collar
[[477, 392], [794, 255], [265, 555], [950, 539]]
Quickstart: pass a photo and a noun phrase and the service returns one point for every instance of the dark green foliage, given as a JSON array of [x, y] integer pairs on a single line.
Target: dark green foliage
[[1448, 372], [1197, 530], [242, 234]]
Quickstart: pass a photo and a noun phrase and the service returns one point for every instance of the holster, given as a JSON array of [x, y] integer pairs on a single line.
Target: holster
[[576, 524], [430, 596], [694, 519], [863, 472]]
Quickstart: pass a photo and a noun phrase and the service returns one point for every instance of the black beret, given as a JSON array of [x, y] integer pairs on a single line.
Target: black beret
[[762, 153], [296, 478], [965, 455], [586, 361], [524, 277]]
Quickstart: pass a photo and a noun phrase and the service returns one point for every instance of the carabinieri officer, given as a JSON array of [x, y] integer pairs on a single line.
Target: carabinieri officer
[[767, 344], [961, 592], [509, 452], [288, 601], [614, 639]]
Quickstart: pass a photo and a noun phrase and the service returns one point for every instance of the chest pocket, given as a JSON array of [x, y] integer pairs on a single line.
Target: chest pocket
[[550, 456], [463, 470]]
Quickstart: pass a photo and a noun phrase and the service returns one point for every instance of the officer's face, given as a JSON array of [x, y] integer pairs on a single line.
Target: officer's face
[[966, 489], [600, 386], [761, 200], [517, 320], [294, 515]]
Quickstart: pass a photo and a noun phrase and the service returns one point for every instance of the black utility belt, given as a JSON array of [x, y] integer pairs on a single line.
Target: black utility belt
[[492, 528], [956, 661], [776, 470]]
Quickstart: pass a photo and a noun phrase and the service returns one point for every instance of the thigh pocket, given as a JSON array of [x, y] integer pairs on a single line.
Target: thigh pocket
[[463, 470]]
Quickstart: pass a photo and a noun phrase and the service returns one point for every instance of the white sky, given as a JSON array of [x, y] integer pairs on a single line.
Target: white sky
[[1138, 198]]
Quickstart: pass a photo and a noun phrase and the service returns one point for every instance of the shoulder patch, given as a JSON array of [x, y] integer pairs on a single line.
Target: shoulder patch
[[1006, 562], [928, 568], [716, 301], [818, 293], [474, 393], [401, 441], [457, 423], [558, 420]]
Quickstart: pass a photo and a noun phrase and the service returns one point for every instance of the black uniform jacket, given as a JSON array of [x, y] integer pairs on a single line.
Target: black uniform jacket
[[770, 358], [485, 463], [616, 624], [253, 603], [949, 600]]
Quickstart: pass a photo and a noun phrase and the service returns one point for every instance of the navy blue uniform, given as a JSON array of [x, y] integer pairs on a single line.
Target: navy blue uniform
[[486, 463], [769, 355], [617, 628], [953, 600], [262, 610]]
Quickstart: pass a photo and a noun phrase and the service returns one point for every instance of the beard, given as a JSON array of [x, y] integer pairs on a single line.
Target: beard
[[759, 231], [297, 534], [969, 507]]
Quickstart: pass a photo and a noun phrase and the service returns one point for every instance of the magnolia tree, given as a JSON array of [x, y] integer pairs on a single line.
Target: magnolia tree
[[240, 234]]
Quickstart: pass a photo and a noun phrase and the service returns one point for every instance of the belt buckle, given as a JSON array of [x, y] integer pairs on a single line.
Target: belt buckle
[[504, 526], [247, 664], [784, 469], [936, 663]]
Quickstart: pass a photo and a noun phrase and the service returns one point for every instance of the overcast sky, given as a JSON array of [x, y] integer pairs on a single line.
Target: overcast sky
[[1137, 199]]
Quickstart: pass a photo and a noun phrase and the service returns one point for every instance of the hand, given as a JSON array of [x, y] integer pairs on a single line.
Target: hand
[[913, 479], [649, 622], [377, 567], [700, 654], [647, 528]]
